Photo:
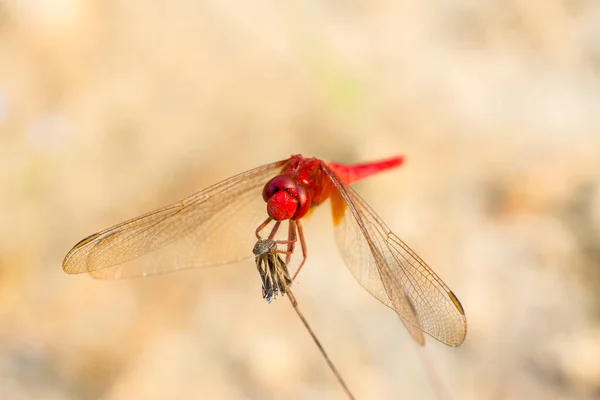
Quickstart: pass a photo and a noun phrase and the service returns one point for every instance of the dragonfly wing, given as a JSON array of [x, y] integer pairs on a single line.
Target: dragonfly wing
[[386, 267], [212, 227]]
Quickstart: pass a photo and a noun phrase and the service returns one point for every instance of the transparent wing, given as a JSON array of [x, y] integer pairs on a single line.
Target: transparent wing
[[386, 267], [214, 226]]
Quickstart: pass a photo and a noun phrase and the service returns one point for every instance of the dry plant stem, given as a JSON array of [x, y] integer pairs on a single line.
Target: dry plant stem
[[440, 390], [312, 334]]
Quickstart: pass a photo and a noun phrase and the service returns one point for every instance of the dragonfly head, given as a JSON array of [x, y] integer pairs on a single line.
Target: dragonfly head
[[286, 199]]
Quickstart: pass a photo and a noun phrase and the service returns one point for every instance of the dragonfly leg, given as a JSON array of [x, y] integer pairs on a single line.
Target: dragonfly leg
[[264, 225], [292, 239], [261, 227], [292, 236], [303, 245], [274, 230]]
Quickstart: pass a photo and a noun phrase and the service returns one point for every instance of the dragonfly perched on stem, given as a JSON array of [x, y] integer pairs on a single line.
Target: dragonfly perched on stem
[[185, 234]]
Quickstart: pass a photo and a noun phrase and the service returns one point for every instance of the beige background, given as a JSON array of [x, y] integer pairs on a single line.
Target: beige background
[[111, 108]]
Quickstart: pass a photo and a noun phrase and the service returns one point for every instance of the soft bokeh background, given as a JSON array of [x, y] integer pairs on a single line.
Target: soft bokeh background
[[111, 108]]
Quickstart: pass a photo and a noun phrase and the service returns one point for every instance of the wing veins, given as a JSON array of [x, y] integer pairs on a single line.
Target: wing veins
[[133, 236], [444, 320], [380, 260]]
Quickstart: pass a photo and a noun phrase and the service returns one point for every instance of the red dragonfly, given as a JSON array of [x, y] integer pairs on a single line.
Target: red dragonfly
[[232, 214]]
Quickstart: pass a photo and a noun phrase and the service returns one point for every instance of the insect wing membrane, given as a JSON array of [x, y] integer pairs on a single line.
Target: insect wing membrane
[[185, 234], [388, 269]]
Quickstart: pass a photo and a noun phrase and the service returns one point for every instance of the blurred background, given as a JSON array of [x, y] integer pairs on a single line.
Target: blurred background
[[109, 109]]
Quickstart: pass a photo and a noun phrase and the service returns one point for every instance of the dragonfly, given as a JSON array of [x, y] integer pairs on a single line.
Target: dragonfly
[[232, 215]]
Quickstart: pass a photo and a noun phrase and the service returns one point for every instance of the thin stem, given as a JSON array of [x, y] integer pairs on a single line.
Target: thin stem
[[441, 392], [321, 349]]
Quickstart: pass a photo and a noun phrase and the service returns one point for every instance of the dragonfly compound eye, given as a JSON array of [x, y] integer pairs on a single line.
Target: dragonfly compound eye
[[303, 202], [285, 199], [279, 183]]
